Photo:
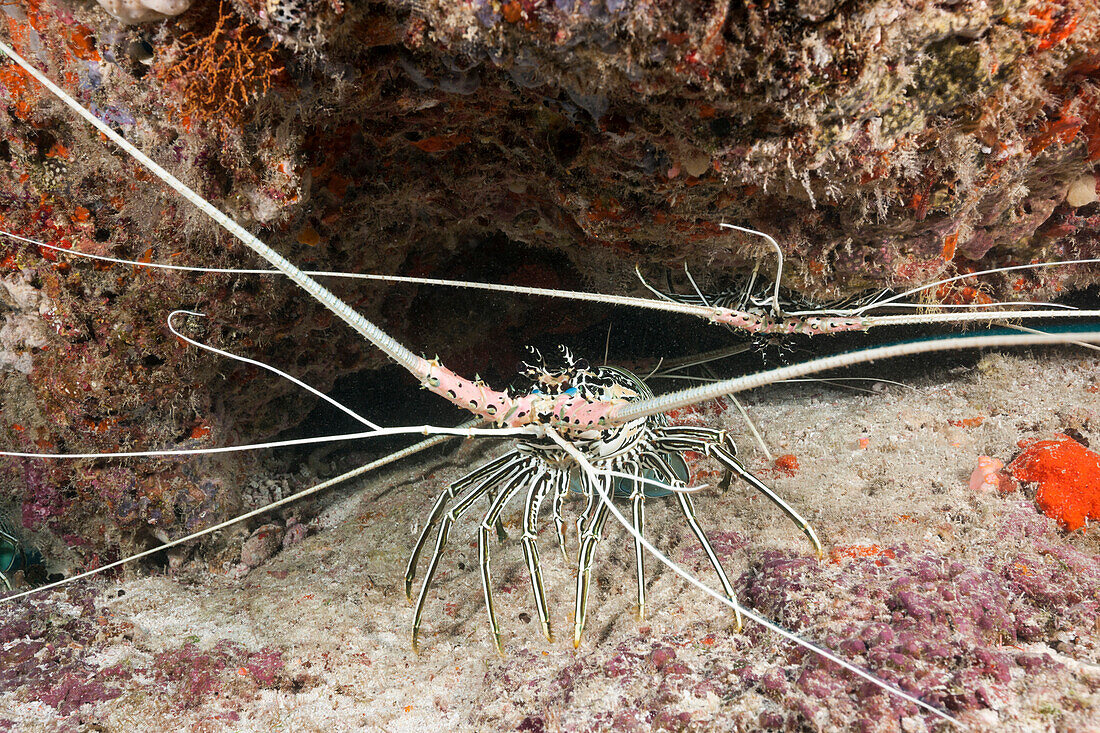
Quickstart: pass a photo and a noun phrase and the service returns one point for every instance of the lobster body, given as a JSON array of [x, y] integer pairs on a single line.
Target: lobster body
[[638, 459]]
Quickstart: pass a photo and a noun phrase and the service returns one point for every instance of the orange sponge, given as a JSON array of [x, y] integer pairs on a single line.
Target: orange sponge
[[1068, 475]]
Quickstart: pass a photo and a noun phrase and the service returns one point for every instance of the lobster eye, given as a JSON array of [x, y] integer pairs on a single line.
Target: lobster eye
[[580, 365]]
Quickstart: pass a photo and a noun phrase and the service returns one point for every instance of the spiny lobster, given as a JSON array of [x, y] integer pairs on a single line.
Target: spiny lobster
[[603, 419]]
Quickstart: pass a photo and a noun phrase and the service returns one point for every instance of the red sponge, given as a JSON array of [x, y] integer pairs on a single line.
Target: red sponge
[[1068, 475]]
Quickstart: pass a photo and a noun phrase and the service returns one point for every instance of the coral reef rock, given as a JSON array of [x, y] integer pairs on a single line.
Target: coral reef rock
[[144, 11], [526, 142]]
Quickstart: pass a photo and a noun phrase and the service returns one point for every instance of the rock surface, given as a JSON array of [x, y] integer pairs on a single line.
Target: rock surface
[[971, 599], [525, 142]]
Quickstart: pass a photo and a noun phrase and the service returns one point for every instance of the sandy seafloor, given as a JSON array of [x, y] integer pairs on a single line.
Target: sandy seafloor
[[972, 599]]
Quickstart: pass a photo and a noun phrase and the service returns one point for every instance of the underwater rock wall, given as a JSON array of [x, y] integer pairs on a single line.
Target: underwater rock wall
[[546, 143]]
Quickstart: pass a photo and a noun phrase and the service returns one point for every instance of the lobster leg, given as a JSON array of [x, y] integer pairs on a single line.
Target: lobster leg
[[659, 463], [727, 459], [592, 500], [637, 504], [561, 490], [688, 507], [539, 488], [502, 534], [719, 445], [490, 472], [444, 531], [592, 535], [492, 517]]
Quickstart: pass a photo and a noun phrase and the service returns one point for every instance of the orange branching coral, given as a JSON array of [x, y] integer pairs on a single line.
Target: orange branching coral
[[219, 75]]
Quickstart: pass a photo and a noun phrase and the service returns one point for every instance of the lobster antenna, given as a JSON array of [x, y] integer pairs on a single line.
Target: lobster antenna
[[469, 395], [683, 398], [1025, 329], [752, 428], [707, 357], [771, 626], [837, 382], [865, 322], [391, 458], [651, 481], [956, 278], [987, 306], [776, 310], [335, 403], [365, 328], [380, 432], [661, 296], [670, 306], [972, 316], [374, 429], [687, 271], [385, 460]]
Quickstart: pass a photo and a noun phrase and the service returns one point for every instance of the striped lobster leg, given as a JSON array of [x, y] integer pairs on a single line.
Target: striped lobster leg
[[537, 491], [504, 471], [720, 446], [530, 475], [675, 472]]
